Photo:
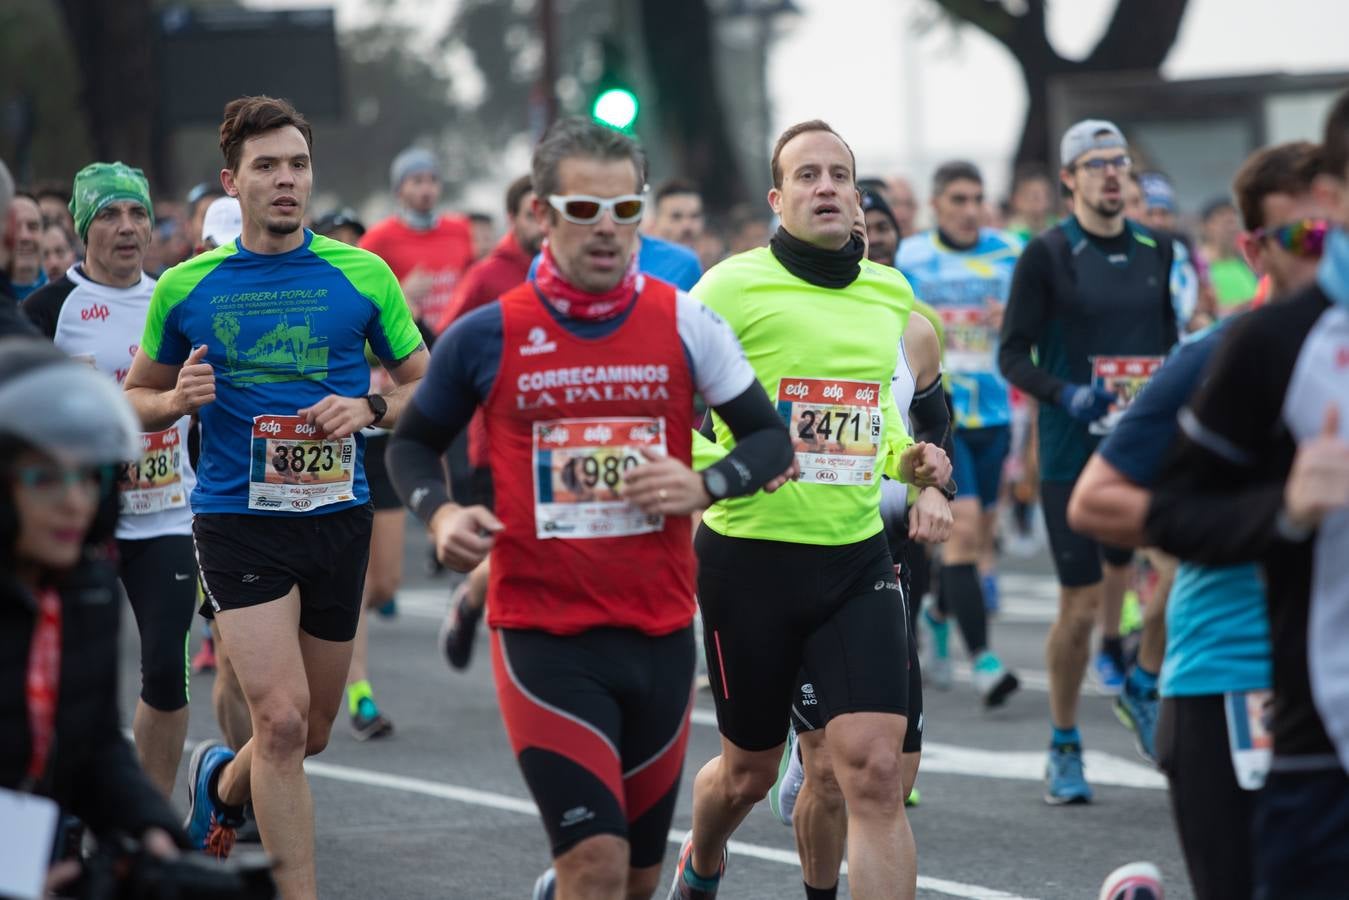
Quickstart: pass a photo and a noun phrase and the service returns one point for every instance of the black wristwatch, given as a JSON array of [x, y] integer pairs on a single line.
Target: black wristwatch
[[378, 405], [948, 490]]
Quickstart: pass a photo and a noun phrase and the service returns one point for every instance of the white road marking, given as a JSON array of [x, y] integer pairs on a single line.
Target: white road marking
[[1025, 765], [491, 800], [1022, 605]]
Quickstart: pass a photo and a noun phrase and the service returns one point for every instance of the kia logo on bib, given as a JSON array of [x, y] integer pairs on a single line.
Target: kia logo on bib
[[98, 311], [301, 504], [826, 475], [538, 343]]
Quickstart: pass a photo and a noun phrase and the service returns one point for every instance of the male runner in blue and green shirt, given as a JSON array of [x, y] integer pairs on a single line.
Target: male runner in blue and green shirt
[[264, 340]]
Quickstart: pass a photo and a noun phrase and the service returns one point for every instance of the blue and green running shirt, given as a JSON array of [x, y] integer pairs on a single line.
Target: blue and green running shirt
[[282, 332], [959, 284]]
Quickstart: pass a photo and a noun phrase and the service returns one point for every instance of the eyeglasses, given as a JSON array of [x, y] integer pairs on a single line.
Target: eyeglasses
[[51, 482], [1305, 237], [1099, 164], [582, 209]]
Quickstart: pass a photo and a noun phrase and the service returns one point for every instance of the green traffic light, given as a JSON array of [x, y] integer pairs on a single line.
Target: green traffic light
[[615, 107]]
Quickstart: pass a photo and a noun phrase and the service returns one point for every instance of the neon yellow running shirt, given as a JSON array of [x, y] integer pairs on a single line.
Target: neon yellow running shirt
[[825, 357]]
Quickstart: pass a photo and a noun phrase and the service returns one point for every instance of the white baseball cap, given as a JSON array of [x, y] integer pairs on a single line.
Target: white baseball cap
[[224, 220]]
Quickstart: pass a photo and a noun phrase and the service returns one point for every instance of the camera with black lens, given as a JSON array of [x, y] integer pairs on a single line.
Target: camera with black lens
[[122, 869]]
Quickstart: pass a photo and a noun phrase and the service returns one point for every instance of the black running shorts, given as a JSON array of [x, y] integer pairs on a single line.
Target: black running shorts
[[806, 705], [771, 609], [599, 722], [1213, 814], [1077, 558], [160, 578], [247, 560]]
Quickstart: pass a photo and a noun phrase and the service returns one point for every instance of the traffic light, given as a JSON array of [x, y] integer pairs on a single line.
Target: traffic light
[[614, 103], [616, 107]]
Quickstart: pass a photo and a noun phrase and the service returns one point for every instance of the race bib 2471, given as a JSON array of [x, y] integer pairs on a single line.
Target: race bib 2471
[[835, 426]]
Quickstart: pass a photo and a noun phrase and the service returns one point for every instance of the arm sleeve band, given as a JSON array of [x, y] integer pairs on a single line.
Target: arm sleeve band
[[762, 448], [413, 460]]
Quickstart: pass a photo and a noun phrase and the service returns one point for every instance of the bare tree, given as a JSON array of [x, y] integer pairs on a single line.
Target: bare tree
[[1139, 37]]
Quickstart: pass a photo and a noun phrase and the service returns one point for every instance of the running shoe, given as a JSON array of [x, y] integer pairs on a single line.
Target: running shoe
[[937, 666], [791, 775], [1108, 675], [208, 827], [545, 886], [368, 723], [204, 659], [388, 610], [914, 798], [1067, 784], [992, 599], [681, 889], [1138, 713], [460, 628], [1136, 881], [992, 680]]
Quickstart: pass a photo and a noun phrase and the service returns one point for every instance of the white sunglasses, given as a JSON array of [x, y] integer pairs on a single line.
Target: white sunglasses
[[582, 209]]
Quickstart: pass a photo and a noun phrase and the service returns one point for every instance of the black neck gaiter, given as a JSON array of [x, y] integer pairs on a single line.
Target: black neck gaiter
[[953, 243], [822, 268]]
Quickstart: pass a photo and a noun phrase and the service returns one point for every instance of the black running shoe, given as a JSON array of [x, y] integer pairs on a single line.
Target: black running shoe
[[460, 628]]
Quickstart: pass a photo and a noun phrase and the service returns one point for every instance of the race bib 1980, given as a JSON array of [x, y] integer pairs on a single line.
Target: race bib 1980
[[294, 468], [578, 476], [835, 426], [1125, 377], [154, 482], [970, 341]]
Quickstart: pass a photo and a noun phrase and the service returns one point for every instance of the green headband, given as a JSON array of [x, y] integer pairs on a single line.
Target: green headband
[[98, 184]]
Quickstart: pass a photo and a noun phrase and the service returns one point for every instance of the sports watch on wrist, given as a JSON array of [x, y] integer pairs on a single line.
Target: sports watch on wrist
[[715, 484], [948, 490], [378, 405]]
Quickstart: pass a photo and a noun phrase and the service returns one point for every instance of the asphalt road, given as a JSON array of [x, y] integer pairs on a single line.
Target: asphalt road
[[439, 810]]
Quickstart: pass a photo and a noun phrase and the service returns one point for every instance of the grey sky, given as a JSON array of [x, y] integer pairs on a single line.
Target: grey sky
[[916, 101], [906, 102]]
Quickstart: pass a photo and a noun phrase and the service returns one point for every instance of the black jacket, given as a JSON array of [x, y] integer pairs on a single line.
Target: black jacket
[[92, 771], [12, 319]]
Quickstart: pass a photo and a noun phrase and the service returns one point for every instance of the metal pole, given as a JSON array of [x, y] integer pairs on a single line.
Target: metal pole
[[548, 77]]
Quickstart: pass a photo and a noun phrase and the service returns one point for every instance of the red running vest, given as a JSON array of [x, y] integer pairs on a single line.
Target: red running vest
[[565, 419]]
